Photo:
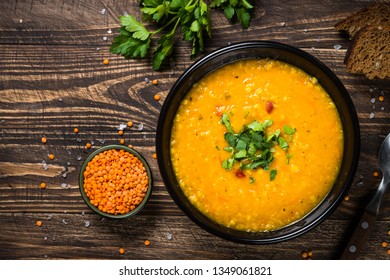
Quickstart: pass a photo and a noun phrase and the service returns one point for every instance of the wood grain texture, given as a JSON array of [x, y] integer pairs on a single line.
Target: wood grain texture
[[52, 79]]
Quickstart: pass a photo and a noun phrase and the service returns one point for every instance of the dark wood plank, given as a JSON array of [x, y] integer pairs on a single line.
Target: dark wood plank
[[52, 79]]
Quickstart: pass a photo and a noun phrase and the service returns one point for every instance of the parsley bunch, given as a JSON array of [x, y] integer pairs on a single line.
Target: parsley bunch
[[252, 147], [193, 16]]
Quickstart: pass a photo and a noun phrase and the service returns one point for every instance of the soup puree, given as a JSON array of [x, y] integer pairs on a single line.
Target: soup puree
[[305, 172]]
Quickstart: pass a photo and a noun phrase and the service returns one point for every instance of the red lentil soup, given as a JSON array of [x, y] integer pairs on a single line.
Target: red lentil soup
[[297, 178]]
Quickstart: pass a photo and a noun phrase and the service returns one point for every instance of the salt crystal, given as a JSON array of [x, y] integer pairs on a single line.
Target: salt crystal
[[360, 184], [372, 100], [103, 11], [78, 157], [371, 90], [305, 30], [78, 140], [68, 163], [64, 222], [60, 99], [122, 126], [382, 108], [282, 23], [105, 38], [92, 142], [64, 185], [372, 115], [98, 49], [109, 31], [101, 141], [83, 213], [87, 223], [337, 47], [140, 126], [147, 80], [45, 238], [49, 217], [64, 175], [102, 220], [21, 20], [169, 236]]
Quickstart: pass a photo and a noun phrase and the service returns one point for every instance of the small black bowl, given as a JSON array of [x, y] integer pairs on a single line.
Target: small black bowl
[[96, 209], [296, 57]]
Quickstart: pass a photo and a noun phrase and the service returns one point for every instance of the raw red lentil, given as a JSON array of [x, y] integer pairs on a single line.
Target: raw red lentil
[[88, 145], [38, 223], [384, 244], [76, 130], [121, 251], [122, 141], [106, 61], [51, 156], [147, 242], [155, 82], [346, 197], [375, 173], [154, 156], [43, 185], [381, 98], [120, 132], [115, 181], [157, 97], [129, 123], [44, 140]]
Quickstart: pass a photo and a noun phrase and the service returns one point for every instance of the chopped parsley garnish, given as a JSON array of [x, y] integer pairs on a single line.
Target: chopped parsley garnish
[[253, 146]]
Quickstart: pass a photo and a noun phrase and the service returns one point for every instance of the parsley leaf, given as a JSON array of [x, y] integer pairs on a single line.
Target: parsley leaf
[[242, 9]]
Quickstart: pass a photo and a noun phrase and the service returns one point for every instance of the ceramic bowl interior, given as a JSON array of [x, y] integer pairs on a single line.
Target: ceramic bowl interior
[[295, 57], [97, 210]]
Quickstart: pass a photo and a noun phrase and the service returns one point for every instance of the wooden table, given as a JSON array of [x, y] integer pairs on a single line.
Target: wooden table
[[52, 79]]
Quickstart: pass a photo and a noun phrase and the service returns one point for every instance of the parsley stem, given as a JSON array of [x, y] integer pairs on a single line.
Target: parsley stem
[[167, 24]]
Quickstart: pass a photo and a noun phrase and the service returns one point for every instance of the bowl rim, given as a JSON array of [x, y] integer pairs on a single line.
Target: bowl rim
[[313, 61], [144, 200]]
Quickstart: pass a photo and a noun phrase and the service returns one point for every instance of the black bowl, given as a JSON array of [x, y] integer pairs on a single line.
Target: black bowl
[[295, 57]]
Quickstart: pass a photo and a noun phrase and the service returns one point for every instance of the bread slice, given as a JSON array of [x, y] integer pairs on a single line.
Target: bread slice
[[369, 52], [375, 14]]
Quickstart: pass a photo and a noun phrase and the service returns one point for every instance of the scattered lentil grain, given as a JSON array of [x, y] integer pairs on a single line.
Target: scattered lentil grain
[[51, 156], [44, 140], [88, 145], [375, 173], [122, 141], [42, 185], [75, 130], [38, 223], [121, 251], [120, 132], [155, 82], [157, 97], [154, 155], [381, 98], [129, 123], [346, 197], [147, 242], [106, 61], [384, 244]]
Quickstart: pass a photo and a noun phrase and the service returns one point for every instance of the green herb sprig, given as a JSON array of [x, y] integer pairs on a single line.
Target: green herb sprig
[[193, 16], [253, 147]]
